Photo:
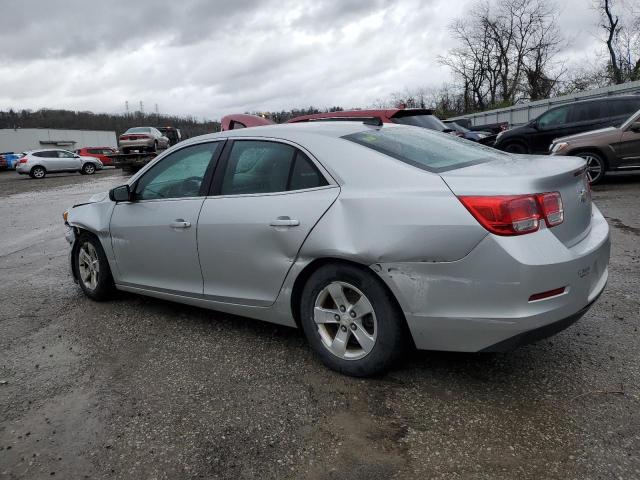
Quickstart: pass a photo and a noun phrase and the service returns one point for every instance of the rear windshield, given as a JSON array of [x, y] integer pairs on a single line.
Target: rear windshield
[[428, 150], [138, 130], [425, 121]]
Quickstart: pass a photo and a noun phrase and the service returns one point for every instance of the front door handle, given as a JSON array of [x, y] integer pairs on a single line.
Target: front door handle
[[284, 222], [180, 223]]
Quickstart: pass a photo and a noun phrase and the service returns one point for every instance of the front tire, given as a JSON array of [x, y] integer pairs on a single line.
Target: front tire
[[92, 268], [515, 147], [38, 172], [595, 166], [351, 321]]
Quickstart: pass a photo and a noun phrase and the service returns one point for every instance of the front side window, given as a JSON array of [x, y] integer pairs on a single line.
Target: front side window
[[423, 148], [553, 118], [256, 166], [178, 175]]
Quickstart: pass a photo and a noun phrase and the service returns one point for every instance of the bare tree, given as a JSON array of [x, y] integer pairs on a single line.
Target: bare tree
[[506, 52], [622, 39]]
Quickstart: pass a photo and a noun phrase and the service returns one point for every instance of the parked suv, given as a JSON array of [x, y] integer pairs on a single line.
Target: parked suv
[[99, 153], [612, 148], [569, 119], [38, 163]]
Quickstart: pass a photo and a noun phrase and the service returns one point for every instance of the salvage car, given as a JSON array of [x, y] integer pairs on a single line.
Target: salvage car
[[605, 150], [38, 163], [142, 139], [369, 238], [569, 119]]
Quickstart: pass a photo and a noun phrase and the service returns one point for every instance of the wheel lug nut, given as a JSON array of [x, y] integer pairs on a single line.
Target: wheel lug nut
[[342, 309], [353, 314], [336, 317], [343, 328], [353, 326]]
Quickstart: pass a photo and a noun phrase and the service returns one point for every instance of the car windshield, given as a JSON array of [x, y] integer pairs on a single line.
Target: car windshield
[[138, 130], [425, 121], [428, 150]]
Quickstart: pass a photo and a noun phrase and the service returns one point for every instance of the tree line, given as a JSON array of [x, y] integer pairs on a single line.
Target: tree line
[[68, 119]]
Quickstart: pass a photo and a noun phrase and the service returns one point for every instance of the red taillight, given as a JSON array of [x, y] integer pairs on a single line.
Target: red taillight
[[551, 206], [22, 160], [515, 214]]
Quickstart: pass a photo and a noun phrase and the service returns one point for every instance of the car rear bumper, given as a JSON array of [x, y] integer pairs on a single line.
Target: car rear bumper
[[481, 302], [136, 143]]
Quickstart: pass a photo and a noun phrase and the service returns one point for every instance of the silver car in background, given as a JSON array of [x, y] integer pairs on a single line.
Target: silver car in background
[[370, 238], [37, 163], [142, 139]]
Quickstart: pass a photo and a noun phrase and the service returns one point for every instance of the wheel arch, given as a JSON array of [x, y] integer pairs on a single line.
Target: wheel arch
[[600, 151], [311, 267]]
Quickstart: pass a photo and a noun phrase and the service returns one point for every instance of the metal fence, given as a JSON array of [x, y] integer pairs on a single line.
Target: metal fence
[[525, 112]]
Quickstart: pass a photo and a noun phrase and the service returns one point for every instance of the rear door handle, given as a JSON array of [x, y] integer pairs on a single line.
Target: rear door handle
[[180, 223], [284, 222]]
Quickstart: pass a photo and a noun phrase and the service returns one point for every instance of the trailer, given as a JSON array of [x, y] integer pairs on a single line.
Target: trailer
[[131, 162]]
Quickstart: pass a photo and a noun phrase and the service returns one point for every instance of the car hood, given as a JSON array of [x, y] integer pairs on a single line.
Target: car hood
[[592, 135], [98, 197]]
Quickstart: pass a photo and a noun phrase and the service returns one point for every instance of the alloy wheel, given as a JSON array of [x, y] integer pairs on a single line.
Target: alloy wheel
[[89, 168], [38, 172], [88, 265], [345, 320], [594, 168]]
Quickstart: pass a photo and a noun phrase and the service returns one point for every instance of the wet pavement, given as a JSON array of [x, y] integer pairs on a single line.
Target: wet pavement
[[139, 388]]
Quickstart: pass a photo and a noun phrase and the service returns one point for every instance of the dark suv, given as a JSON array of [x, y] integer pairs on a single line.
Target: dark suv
[[569, 119]]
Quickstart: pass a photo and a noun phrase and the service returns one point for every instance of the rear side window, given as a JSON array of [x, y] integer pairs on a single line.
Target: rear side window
[[624, 107], [584, 112], [425, 149], [256, 166]]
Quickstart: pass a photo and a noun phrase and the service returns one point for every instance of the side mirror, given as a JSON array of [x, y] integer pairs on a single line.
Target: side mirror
[[635, 127], [121, 194], [534, 125], [76, 155]]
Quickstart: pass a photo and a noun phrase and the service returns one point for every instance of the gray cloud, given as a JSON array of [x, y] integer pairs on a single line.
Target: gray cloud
[[209, 58]]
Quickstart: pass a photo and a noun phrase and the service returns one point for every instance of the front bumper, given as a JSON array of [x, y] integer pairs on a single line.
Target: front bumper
[[481, 302]]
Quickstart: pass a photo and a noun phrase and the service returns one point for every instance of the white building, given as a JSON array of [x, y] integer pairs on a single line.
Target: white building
[[22, 139]]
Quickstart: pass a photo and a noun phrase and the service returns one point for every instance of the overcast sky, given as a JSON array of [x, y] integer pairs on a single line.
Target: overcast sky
[[208, 58]]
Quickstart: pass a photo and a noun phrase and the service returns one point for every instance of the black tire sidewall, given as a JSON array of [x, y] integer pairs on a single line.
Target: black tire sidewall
[[104, 289], [511, 147], [391, 335]]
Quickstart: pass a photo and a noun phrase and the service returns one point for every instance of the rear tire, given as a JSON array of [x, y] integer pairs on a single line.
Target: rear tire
[[596, 166], [351, 320], [38, 172], [92, 268]]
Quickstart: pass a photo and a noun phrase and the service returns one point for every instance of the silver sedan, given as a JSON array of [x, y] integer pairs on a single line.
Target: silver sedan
[[370, 238]]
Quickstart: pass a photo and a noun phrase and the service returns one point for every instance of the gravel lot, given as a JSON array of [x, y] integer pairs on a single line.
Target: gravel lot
[[140, 388]]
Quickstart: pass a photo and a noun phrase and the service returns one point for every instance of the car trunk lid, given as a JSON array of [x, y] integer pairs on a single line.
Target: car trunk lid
[[529, 174]]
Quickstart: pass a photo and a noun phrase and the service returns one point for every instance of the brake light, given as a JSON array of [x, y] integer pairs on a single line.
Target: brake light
[[509, 215], [551, 206], [23, 160]]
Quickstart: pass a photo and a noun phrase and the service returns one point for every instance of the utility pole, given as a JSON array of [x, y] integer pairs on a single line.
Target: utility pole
[[126, 107], [141, 107]]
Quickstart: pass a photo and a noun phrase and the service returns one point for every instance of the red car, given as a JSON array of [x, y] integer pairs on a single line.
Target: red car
[[418, 117], [98, 152]]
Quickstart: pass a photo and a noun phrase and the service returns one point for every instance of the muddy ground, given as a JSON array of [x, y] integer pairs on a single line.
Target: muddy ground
[[140, 388]]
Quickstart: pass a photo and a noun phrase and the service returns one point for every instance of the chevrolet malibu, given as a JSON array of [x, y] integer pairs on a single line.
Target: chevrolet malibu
[[367, 237]]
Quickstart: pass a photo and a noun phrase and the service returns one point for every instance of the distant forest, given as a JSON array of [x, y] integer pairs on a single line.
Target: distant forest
[[67, 119]]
